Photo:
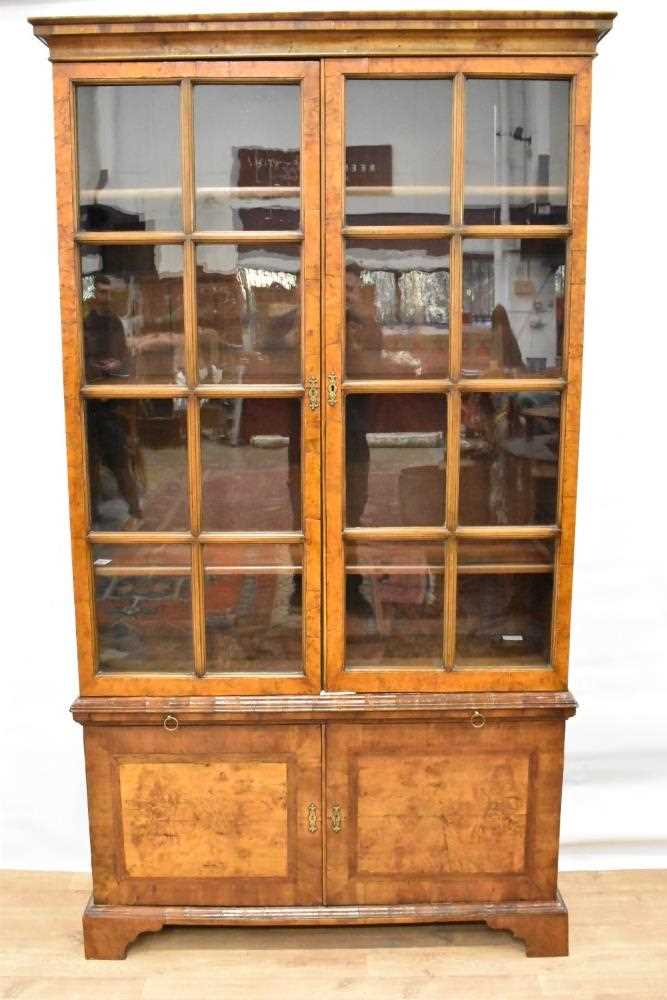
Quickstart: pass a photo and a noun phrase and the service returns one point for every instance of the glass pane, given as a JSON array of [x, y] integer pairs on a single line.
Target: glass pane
[[394, 604], [144, 608], [129, 157], [397, 309], [137, 464], [253, 597], [249, 313], [504, 598], [247, 151], [509, 457], [251, 464], [513, 307], [132, 308], [395, 463], [397, 157], [516, 151]]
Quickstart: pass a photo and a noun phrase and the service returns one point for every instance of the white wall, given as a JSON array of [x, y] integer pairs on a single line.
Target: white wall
[[614, 808]]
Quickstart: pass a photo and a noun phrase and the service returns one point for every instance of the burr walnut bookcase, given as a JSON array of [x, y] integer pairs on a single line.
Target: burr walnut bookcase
[[322, 284]]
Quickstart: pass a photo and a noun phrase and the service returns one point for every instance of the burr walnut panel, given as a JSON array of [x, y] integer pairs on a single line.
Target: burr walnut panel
[[197, 819], [440, 811]]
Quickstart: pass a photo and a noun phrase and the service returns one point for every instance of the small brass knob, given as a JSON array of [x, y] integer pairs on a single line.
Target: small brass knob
[[170, 723], [477, 720]]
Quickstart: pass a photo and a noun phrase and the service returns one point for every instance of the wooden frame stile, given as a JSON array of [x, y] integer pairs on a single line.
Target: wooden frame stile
[[66, 76], [451, 678]]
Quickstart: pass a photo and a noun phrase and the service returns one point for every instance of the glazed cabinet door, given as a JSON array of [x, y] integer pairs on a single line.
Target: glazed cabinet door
[[205, 815], [454, 226], [442, 812], [190, 249]]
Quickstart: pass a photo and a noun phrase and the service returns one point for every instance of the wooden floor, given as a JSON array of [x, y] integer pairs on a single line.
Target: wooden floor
[[618, 950]]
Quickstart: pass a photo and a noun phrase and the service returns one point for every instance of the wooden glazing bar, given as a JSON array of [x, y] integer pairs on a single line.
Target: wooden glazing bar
[[458, 126], [251, 538], [516, 232], [139, 537], [499, 569], [500, 532], [148, 391], [198, 611], [138, 237], [248, 570], [252, 237], [511, 384], [190, 313], [398, 232], [397, 385], [220, 391], [414, 534], [435, 232], [449, 606], [187, 157], [455, 349], [393, 569], [142, 570]]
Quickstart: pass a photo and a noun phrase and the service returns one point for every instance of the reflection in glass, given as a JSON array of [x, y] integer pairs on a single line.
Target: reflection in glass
[[394, 604], [398, 142], [129, 157], [516, 151], [504, 598], [395, 459], [137, 464], [249, 313], [251, 464], [253, 608], [397, 309], [513, 307], [144, 608], [132, 308], [247, 156], [509, 457]]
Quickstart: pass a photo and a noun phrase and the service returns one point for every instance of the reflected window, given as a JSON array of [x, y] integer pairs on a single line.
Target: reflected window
[[251, 464], [132, 308], [516, 151], [509, 458], [137, 464], [249, 313], [394, 605], [513, 307], [247, 156], [397, 309], [129, 157], [398, 151], [395, 459], [253, 601]]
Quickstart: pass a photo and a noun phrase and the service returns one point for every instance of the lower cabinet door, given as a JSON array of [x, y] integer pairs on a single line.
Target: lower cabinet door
[[442, 812], [206, 815]]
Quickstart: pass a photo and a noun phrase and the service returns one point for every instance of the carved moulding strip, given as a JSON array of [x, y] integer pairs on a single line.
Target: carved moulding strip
[[322, 707]]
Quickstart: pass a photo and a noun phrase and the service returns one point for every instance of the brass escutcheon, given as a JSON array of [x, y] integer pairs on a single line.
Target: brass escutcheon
[[312, 818], [332, 388], [313, 392], [336, 819]]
